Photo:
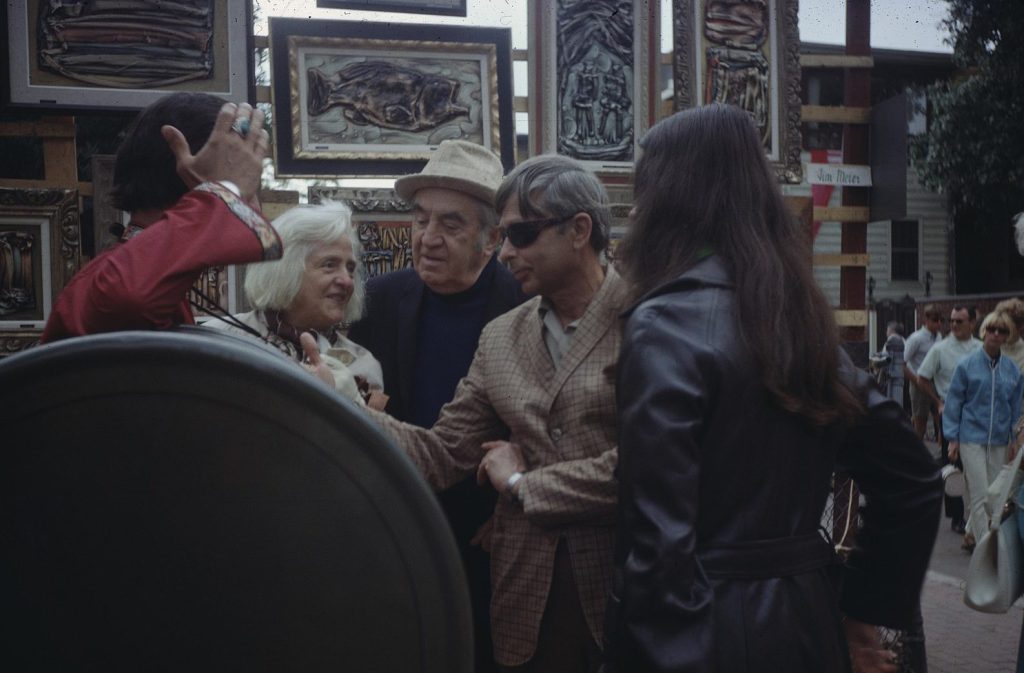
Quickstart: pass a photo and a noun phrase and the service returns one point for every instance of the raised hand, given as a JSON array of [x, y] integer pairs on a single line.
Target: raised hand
[[234, 151]]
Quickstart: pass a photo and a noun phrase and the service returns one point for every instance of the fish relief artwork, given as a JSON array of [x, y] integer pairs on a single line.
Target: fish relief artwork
[[397, 102], [595, 64]]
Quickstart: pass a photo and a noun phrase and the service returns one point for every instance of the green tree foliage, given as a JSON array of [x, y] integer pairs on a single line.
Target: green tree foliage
[[974, 148]]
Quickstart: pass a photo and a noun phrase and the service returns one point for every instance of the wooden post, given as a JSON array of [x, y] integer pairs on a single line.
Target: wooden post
[[60, 157], [856, 94]]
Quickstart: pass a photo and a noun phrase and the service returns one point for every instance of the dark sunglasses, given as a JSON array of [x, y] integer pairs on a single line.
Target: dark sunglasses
[[997, 330], [523, 234]]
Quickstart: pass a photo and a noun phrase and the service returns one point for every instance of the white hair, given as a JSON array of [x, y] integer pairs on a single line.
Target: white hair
[[274, 285]]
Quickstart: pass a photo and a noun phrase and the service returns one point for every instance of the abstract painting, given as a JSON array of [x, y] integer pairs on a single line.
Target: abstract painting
[[383, 221], [126, 54], [744, 53]]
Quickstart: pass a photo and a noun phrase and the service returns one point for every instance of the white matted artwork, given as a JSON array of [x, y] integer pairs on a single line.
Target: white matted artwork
[[108, 55], [375, 99]]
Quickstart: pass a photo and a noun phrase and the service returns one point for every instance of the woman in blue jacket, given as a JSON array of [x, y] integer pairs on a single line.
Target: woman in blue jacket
[[981, 409]]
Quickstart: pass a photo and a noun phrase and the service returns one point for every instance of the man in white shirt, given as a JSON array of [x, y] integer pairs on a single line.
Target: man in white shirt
[[934, 376], [918, 345]]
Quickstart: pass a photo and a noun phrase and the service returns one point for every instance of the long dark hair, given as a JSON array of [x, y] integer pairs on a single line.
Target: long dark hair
[[703, 180], [145, 175]]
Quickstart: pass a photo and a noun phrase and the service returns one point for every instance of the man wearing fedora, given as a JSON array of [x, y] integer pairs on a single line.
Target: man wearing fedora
[[423, 325]]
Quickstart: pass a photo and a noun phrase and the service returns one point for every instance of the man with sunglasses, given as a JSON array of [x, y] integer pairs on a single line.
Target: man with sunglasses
[[423, 325], [536, 417], [934, 376]]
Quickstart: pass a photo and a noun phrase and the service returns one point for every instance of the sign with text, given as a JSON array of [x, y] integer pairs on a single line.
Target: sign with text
[[839, 175]]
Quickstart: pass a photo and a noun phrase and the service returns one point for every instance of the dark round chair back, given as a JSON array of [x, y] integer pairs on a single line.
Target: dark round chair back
[[181, 502]]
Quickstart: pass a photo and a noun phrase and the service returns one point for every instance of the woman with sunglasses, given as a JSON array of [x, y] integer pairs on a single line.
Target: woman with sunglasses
[[735, 406], [982, 407]]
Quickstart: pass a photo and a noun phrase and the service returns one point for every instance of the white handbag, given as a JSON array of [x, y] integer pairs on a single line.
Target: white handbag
[[994, 575]]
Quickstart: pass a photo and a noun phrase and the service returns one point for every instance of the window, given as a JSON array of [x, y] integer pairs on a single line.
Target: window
[[904, 247]]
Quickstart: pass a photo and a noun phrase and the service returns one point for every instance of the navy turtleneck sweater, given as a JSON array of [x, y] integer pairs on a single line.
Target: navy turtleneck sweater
[[447, 333]]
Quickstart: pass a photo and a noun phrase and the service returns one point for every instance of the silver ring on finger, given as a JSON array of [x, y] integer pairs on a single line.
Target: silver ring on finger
[[241, 126]]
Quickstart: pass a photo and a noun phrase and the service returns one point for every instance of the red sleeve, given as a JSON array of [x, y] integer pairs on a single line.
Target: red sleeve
[[143, 283]]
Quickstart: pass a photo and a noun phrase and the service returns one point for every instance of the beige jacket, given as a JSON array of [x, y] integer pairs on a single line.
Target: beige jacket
[[564, 421]]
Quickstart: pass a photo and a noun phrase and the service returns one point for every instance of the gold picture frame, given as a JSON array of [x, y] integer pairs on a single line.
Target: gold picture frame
[[374, 99], [40, 250]]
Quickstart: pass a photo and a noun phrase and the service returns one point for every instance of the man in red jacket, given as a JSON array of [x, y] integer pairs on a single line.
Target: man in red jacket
[[187, 173]]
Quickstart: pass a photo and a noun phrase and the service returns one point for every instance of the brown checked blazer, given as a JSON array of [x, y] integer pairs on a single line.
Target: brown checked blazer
[[563, 420]]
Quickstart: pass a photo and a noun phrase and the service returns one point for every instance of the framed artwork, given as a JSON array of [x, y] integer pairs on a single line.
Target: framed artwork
[[375, 99], [593, 78], [747, 53], [83, 54], [384, 223], [39, 253], [442, 7]]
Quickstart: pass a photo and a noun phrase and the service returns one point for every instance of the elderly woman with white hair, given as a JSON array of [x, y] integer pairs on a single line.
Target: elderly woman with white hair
[[317, 287]]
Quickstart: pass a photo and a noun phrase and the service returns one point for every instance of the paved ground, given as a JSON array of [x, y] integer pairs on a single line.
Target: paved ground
[[959, 639]]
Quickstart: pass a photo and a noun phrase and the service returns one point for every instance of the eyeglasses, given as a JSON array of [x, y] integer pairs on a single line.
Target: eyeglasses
[[991, 329], [523, 234]]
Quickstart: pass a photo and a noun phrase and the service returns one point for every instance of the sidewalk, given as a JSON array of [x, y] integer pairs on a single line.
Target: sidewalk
[[961, 640], [957, 638]]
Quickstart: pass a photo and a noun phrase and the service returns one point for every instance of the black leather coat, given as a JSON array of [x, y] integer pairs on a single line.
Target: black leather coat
[[718, 564]]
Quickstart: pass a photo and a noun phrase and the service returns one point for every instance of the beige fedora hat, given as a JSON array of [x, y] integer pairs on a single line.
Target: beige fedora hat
[[458, 165]]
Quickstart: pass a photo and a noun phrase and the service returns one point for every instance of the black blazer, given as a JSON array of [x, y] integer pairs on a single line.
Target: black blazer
[[388, 328]]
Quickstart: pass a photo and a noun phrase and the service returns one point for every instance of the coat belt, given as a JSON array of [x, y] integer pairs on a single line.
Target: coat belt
[[763, 559]]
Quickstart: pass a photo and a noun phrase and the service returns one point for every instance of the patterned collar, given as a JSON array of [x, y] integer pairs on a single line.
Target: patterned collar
[[131, 231]]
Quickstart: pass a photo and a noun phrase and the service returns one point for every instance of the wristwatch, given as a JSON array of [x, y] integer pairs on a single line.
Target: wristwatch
[[513, 479]]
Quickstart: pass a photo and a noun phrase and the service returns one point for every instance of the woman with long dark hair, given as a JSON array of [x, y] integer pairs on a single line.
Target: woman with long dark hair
[[736, 405]]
